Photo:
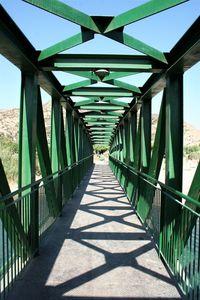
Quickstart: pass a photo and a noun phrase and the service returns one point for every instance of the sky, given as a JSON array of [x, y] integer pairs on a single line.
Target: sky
[[161, 31]]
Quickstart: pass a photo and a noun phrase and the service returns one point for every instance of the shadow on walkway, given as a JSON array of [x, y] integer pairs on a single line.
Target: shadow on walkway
[[97, 250]]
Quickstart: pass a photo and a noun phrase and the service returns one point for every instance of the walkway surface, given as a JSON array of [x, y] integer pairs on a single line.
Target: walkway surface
[[100, 251]]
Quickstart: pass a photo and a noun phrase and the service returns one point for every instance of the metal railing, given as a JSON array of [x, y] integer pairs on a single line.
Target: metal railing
[[175, 232], [27, 213]]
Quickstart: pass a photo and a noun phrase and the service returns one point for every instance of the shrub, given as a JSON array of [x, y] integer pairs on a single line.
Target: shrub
[[100, 149]]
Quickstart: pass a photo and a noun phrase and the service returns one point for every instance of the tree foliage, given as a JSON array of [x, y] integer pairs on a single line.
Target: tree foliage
[[100, 149]]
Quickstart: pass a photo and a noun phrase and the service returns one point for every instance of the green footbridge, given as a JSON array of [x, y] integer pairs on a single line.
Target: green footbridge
[[106, 116]]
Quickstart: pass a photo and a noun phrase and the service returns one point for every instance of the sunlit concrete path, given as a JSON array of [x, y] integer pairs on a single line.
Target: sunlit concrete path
[[100, 251]]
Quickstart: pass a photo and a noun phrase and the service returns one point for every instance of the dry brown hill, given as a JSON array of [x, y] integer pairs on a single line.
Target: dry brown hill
[[9, 120]]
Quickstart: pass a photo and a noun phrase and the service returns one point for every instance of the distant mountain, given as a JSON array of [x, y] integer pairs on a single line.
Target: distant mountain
[[9, 120]]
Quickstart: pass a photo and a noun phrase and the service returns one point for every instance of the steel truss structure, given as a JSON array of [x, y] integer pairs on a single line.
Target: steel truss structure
[[104, 116]]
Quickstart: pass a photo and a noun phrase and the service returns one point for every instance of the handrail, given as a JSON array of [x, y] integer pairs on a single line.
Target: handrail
[[162, 185], [34, 185]]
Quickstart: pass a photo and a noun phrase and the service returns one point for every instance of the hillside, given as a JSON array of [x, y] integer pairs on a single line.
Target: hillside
[[9, 119]]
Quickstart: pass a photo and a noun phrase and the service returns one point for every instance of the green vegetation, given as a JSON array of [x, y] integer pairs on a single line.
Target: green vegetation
[[192, 152], [9, 157], [100, 149]]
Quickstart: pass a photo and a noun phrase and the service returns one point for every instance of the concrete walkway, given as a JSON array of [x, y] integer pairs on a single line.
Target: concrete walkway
[[100, 251]]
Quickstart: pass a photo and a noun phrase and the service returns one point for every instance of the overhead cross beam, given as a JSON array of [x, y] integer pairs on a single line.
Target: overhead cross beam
[[100, 92], [111, 27], [66, 12], [88, 63], [140, 12], [75, 40]]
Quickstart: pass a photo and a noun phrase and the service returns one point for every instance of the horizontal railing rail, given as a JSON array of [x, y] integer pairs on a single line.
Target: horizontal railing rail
[[27, 213], [175, 231]]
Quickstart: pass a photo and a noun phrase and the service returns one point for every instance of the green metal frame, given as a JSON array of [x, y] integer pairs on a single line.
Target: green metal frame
[[101, 118]]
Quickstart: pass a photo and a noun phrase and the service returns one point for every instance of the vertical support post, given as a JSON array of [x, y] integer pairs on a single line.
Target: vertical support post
[[68, 135], [133, 130], [118, 144], [27, 129], [137, 154], [174, 139], [44, 159], [55, 145], [76, 138], [27, 147], [146, 135], [127, 140], [121, 143], [55, 134], [124, 128]]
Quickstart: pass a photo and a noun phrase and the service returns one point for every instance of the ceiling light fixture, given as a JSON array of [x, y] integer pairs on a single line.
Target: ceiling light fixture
[[101, 73]]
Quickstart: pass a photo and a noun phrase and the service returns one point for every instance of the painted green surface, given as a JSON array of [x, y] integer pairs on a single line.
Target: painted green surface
[[44, 159], [116, 92], [124, 85], [136, 44], [134, 67], [66, 44], [120, 103], [102, 107], [77, 85], [100, 116], [28, 129], [140, 12], [94, 120], [174, 131], [83, 102], [65, 11]]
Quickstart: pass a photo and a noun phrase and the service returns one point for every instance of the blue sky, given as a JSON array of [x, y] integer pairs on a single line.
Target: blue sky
[[161, 31]]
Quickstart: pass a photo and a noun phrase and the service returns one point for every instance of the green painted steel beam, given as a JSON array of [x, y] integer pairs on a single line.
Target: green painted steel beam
[[114, 114], [84, 102], [63, 149], [101, 137], [120, 103], [122, 63], [94, 135], [145, 136], [55, 135], [100, 116], [101, 123], [80, 84], [102, 107], [68, 137], [194, 188], [146, 68], [100, 120], [101, 91], [66, 44], [92, 126], [102, 113], [86, 74], [91, 75], [183, 56], [101, 143], [116, 75], [101, 140], [136, 44], [44, 160], [124, 85], [66, 12], [174, 141], [103, 129], [27, 129], [145, 10]]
